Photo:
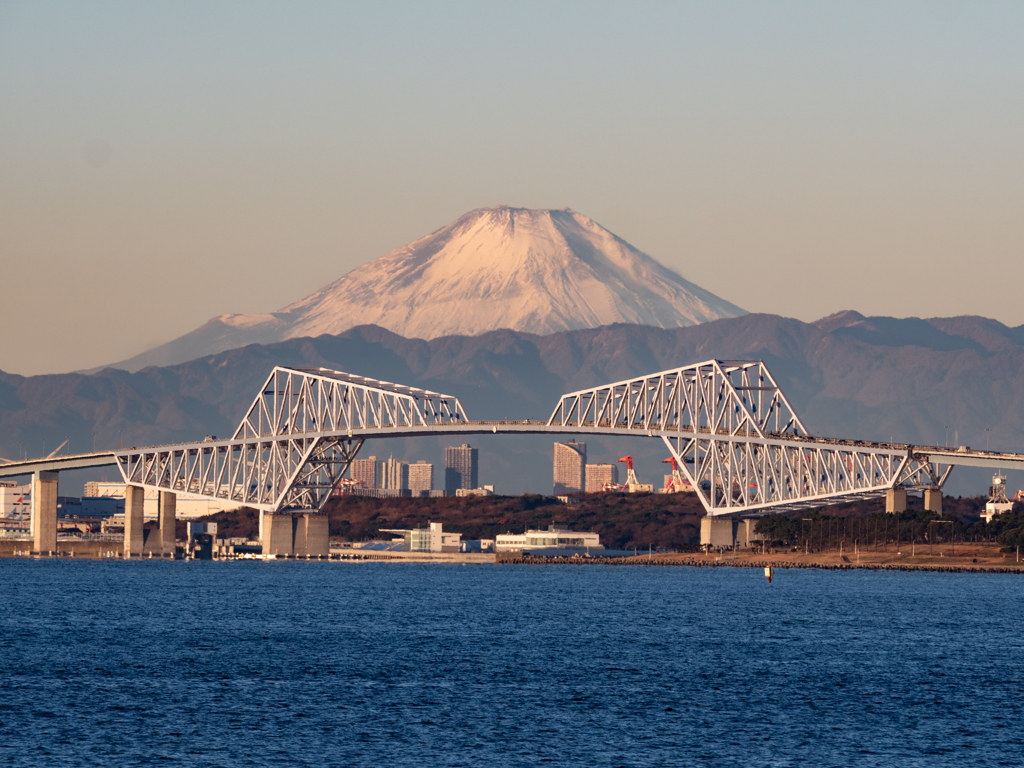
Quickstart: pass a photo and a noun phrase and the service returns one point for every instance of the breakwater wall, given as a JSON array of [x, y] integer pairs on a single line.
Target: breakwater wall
[[656, 561]]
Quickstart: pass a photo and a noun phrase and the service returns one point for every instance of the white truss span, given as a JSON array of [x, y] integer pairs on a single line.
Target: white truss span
[[729, 426], [308, 400], [739, 442], [719, 397], [295, 442]]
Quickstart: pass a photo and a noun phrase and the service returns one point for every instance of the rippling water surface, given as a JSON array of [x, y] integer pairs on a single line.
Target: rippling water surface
[[286, 663]]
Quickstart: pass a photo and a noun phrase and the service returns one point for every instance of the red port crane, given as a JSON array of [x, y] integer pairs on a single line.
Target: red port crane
[[631, 480], [676, 483]]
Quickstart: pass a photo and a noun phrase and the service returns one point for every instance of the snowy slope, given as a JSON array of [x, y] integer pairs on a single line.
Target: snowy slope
[[539, 271]]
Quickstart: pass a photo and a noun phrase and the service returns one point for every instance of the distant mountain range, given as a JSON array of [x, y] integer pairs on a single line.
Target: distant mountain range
[[847, 375], [537, 271]]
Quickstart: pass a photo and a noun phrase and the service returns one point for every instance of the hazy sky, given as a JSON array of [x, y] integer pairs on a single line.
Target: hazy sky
[[162, 163]]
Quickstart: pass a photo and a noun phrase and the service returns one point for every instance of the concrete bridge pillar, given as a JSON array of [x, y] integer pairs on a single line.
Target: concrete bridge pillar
[[718, 531], [277, 534], [933, 500], [896, 500], [318, 541], [299, 535], [302, 535], [168, 521], [134, 519], [44, 511]]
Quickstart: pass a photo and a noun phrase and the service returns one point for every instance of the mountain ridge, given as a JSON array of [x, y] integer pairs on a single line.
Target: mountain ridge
[[866, 385]]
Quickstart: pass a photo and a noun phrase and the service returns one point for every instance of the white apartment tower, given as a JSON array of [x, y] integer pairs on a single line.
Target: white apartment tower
[[394, 474], [570, 467]]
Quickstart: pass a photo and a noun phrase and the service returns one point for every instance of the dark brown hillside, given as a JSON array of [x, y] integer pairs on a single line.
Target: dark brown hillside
[[622, 521], [641, 520]]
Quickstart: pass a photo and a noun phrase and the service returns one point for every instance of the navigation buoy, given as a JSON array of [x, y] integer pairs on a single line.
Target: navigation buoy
[[768, 573]]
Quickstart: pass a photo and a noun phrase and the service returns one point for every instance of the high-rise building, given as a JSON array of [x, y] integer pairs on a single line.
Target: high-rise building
[[394, 474], [599, 475], [421, 477], [460, 468], [570, 467], [364, 472]]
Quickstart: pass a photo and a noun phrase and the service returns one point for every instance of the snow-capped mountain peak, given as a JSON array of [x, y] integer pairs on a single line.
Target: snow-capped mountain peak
[[539, 271], [534, 270]]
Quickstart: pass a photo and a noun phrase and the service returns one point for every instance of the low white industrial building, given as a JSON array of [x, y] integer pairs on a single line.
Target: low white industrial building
[[15, 500], [487, 490]]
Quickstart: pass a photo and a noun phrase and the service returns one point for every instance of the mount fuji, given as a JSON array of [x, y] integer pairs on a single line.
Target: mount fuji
[[536, 271]]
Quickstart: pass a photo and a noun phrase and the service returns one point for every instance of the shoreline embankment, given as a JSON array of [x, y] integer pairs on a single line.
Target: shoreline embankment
[[967, 558], [975, 558]]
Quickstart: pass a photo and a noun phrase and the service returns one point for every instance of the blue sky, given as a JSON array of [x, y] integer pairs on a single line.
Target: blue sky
[[162, 163]]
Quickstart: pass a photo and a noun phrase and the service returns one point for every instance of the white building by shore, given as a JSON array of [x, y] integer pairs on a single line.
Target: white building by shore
[[555, 537], [430, 539], [998, 503]]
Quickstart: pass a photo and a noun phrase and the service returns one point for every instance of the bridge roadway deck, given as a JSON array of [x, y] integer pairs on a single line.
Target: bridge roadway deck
[[947, 456]]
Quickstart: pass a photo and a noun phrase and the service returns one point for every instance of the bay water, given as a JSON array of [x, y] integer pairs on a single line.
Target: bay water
[[385, 664]]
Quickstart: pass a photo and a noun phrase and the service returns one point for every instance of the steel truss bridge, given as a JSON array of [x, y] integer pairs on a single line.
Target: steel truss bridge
[[734, 434]]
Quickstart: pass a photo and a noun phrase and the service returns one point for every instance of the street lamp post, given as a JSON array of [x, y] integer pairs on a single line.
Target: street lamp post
[[952, 543]]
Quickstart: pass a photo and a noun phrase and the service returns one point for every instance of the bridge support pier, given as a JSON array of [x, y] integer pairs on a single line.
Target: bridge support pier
[[317, 535], [718, 531], [896, 500], [134, 519], [299, 535], [277, 534], [44, 511], [168, 521], [933, 500]]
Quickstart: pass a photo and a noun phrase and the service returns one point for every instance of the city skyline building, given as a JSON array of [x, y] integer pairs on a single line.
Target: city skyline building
[[599, 475], [460, 468], [421, 477], [394, 474], [364, 471], [570, 467]]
